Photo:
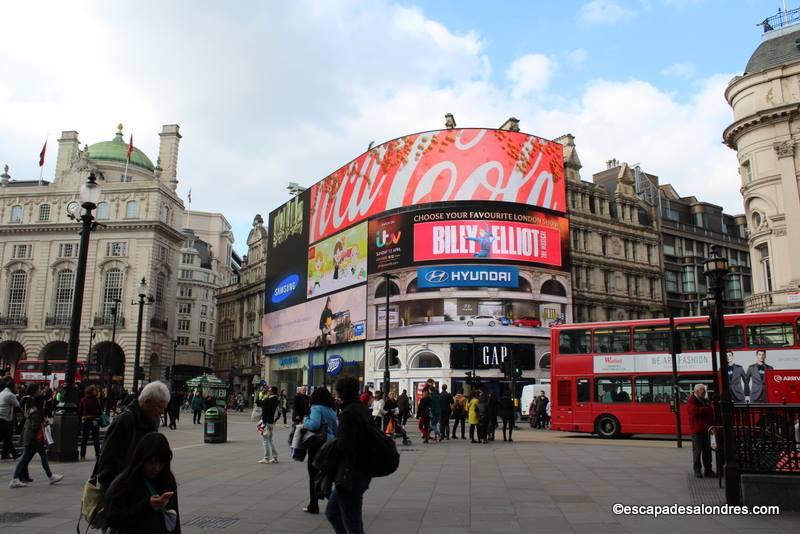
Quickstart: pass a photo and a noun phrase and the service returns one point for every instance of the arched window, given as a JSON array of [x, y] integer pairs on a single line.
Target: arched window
[[102, 211], [65, 283], [381, 362], [17, 291], [552, 287], [158, 304], [44, 212], [112, 292], [16, 213], [425, 360], [524, 285], [544, 361], [132, 210], [380, 291]]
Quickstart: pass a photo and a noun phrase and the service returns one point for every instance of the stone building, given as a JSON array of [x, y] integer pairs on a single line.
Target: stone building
[[240, 310], [139, 237], [766, 115], [616, 270]]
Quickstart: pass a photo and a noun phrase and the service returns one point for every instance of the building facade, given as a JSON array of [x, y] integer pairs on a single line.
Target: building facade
[[240, 306], [616, 270], [764, 133], [139, 236]]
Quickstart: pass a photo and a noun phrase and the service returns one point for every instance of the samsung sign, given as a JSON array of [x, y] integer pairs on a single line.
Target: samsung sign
[[468, 276], [285, 288]]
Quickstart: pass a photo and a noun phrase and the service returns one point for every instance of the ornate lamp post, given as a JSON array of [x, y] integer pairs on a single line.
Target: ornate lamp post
[[388, 354], [716, 270], [144, 299], [66, 417]]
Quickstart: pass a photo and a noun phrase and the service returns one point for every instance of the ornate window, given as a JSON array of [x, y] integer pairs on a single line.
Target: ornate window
[[16, 213], [132, 210], [102, 211], [17, 291], [65, 284], [158, 311], [112, 291], [44, 212]]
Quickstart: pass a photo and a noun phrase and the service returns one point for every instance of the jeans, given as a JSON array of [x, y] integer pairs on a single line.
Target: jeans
[[90, 425], [344, 509], [459, 419], [701, 449], [27, 456], [6, 433], [270, 452]]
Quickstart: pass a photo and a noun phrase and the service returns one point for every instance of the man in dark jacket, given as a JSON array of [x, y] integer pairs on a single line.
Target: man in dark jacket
[[404, 406], [301, 406], [701, 418], [446, 403], [352, 481], [737, 380], [127, 430], [756, 377], [505, 409]]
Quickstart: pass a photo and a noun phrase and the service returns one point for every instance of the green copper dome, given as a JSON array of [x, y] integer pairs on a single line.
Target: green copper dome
[[117, 150]]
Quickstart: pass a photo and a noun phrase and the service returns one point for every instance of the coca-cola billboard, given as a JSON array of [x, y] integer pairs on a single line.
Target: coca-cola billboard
[[443, 165]]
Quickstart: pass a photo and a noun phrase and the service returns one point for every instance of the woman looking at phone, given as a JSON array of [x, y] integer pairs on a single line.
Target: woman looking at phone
[[144, 498]]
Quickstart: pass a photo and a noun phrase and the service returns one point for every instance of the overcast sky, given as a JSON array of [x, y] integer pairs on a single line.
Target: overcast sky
[[271, 92]]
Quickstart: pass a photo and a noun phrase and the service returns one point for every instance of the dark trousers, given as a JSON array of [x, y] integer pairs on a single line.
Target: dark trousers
[[472, 432], [701, 449], [482, 430], [6, 436], [444, 427], [313, 502], [196, 416], [405, 417], [459, 419], [90, 426], [27, 455], [344, 509], [508, 423], [173, 418], [284, 416]]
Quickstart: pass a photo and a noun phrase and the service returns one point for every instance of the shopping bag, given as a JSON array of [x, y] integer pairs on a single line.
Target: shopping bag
[[48, 435], [389, 428]]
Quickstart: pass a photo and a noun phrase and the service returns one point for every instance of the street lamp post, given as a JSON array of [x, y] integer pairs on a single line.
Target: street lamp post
[[386, 356], [66, 417], [109, 384], [716, 270], [324, 333], [141, 302], [172, 367]]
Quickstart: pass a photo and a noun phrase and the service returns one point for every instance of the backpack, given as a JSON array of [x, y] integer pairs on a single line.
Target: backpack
[[383, 457], [92, 505]]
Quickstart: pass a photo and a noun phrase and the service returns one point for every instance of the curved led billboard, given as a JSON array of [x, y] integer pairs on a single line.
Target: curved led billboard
[[439, 166]]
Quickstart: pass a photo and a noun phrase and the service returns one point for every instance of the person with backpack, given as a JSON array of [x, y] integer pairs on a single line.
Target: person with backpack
[[459, 413], [322, 418], [144, 497], [34, 442], [344, 508]]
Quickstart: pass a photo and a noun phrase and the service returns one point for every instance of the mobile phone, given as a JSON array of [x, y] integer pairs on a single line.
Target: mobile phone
[[168, 495]]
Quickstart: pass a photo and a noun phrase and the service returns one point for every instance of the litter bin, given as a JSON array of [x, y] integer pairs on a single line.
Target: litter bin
[[215, 429]]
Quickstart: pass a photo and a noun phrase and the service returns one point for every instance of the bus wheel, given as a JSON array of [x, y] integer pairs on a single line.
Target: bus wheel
[[607, 426]]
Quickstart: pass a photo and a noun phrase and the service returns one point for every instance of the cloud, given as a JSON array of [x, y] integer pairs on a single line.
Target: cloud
[[679, 70], [259, 106], [577, 58], [530, 74], [604, 12]]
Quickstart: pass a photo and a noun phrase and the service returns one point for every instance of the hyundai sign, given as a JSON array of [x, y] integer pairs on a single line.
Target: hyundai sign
[[468, 276]]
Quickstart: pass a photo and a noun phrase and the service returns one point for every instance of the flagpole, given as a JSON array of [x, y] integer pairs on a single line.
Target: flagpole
[[41, 163], [128, 157]]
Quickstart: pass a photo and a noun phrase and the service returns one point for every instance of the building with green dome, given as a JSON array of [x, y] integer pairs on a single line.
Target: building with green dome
[[117, 150]]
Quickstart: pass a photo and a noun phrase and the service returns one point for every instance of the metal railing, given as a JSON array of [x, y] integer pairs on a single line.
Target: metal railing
[[107, 321], [58, 320], [767, 438], [781, 20], [15, 321], [160, 324]]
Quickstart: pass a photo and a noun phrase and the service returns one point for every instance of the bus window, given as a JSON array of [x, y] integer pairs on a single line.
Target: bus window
[[612, 340], [564, 393], [686, 386], [573, 342], [613, 389], [695, 336], [734, 337], [651, 339], [584, 393], [653, 389], [770, 335]]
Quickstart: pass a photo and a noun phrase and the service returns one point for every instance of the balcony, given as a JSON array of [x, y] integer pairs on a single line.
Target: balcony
[[107, 321], [758, 303], [17, 321], [57, 321], [159, 324]]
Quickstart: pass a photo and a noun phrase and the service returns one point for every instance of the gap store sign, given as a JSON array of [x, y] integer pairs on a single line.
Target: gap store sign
[[468, 276]]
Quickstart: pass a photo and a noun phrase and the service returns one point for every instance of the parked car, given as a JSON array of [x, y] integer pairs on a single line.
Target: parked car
[[505, 321], [529, 321], [481, 320]]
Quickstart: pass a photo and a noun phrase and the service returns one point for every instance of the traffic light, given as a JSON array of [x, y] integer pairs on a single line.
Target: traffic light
[[393, 359], [517, 371]]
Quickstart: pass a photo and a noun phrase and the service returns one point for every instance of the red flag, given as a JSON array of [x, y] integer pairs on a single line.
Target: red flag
[[130, 148], [41, 154]]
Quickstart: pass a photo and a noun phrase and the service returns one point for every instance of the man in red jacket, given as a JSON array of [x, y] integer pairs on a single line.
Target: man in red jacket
[[701, 418]]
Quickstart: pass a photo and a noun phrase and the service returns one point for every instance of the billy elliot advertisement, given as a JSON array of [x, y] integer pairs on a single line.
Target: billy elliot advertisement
[[483, 232], [287, 249], [337, 262], [340, 317], [445, 165]]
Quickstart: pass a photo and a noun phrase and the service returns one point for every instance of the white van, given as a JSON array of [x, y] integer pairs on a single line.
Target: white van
[[530, 391]]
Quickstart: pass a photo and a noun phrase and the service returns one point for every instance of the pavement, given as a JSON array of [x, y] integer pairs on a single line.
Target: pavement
[[543, 482]]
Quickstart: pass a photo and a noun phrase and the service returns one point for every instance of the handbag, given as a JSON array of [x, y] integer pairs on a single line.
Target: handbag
[[93, 504], [103, 420], [170, 516], [315, 439]]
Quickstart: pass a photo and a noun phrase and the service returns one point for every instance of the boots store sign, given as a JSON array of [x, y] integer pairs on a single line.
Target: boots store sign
[[444, 165]]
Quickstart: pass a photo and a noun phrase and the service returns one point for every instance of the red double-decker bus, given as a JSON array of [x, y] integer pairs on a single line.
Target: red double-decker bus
[[615, 378], [32, 372]]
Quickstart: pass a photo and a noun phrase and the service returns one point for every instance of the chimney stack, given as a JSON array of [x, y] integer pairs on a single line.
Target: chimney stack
[[68, 147], [168, 153]]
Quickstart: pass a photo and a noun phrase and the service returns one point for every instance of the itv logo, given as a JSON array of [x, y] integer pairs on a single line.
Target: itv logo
[[384, 238]]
